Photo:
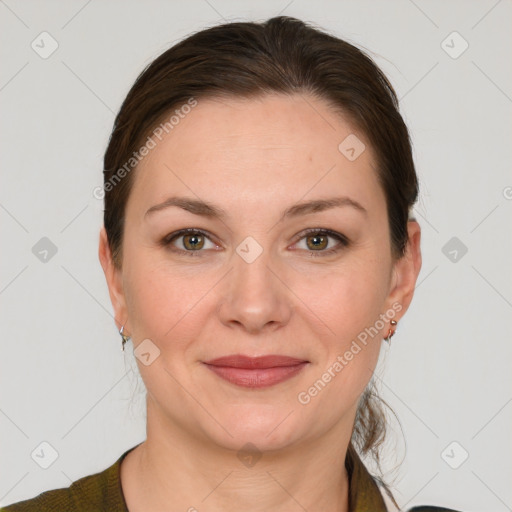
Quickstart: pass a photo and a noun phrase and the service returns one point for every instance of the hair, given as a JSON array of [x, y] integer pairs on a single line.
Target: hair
[[249, 60]]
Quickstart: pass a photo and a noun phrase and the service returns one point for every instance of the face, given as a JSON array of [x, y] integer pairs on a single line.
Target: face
[[258, 273]]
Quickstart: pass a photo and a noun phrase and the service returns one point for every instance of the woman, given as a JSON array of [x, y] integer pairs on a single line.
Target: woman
[[257, 246]]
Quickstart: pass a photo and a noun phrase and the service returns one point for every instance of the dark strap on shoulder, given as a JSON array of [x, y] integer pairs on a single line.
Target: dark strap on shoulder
[[429, 508]]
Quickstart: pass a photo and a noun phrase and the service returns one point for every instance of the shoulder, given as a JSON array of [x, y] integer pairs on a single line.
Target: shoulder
[[56, 499], [87, 493], [99, 491], [370, 493]]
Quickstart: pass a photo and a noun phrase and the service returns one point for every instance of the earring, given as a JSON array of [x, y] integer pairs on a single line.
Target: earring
[[124, 336], [391, 331]]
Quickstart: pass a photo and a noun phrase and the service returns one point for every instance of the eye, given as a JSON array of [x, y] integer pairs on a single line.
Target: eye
[[188, 241], [317, 242]]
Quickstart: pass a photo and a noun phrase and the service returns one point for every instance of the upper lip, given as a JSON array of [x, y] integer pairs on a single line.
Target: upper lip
[[247, 362]]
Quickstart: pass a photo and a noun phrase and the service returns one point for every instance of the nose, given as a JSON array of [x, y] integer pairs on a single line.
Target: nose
[[255, 297]]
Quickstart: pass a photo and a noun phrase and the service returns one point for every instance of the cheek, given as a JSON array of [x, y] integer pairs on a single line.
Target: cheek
[[345, 300], [350, 346], [166, 301], [347, 304]]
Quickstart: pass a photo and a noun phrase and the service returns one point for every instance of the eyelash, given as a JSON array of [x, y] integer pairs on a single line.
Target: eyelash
[[343, 240]]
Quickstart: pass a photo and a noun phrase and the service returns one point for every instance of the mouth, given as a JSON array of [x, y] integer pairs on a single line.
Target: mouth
[[256, 372]]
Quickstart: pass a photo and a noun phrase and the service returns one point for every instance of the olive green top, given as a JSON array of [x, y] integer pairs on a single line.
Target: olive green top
[[103, 491]]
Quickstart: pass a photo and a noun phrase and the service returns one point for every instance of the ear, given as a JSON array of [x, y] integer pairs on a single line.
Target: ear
[[406, 270], [114, 280]]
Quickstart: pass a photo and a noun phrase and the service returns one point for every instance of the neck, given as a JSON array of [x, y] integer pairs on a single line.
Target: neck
[[174, 467]]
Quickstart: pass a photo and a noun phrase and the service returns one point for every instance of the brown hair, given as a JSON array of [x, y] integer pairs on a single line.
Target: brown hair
[[280, 55]]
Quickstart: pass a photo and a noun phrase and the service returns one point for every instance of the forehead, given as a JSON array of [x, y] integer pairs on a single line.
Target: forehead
[[249, 151]]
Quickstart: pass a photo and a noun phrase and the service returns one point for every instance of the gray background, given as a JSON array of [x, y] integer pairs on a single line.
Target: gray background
[[64, 379]]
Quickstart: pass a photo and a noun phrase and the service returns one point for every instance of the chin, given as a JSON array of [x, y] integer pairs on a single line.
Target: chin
[[268, 427]]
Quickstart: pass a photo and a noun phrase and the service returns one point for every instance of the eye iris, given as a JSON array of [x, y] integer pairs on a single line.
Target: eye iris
[[320, 241], [196, 241]]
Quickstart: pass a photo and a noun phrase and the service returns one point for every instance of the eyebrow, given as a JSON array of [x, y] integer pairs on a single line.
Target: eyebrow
[[205, 209]]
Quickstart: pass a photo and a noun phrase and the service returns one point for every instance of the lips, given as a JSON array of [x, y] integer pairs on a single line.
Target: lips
[[240, 361], [256, 372]]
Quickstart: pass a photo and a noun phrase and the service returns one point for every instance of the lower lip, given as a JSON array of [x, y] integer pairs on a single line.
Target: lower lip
[[256, 378]]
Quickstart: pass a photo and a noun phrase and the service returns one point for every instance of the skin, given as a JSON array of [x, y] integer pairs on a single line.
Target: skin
[[253, 158]]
